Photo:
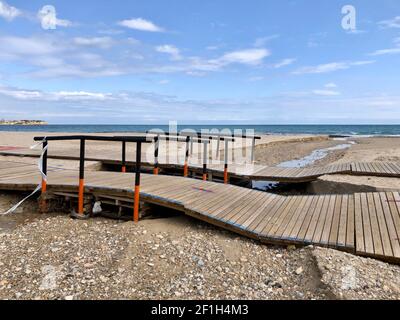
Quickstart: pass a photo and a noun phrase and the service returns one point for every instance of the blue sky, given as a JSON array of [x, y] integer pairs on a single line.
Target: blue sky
[[148, 62]]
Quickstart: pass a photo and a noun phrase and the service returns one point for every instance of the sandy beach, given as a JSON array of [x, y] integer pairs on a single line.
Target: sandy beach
[[176, 257]]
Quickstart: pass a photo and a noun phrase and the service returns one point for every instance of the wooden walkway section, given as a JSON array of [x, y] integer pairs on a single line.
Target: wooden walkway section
[[366, 224], [239, 171]]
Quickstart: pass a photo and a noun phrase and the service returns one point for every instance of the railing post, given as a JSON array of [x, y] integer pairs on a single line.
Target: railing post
[[137, 182], [186, 165], [191, 146], [253, 149], [156, 148], [123, 169], [44, 166], [123, 156], [42, 201], [218, 143], [81, 177], [205, 156], [226, 154]]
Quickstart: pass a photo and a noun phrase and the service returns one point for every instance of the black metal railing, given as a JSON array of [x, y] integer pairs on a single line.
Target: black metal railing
[[195, 137], [139, 140]]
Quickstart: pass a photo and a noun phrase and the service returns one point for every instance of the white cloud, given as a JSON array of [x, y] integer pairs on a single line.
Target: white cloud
[[330, 67], [24, 94], [101, 42], [20, 94], [173, 51], [385, 51], [326, 93], [20, 46], [283, 63], [330, 85], [392, 23], [356, 31], [80, 95], [140, 24], [8, 12], [48, 18], [261, 42], [249, 56], [256, 78]]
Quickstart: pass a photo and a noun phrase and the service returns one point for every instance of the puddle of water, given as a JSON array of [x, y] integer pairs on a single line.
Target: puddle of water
[[303, 162], [313, 157]]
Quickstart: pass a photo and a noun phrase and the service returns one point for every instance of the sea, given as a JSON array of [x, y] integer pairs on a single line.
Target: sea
[[334, 130]]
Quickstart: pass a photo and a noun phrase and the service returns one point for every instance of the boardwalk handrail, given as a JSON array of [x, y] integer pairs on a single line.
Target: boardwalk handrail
[[139, 140], [189, 150], [222, 136]]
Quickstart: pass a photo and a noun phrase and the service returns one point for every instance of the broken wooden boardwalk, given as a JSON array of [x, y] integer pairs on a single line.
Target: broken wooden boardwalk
[[366, 224], [239, 171]]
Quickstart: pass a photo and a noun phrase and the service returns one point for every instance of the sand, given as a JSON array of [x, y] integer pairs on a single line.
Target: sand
[[180, 257], [367, 150]]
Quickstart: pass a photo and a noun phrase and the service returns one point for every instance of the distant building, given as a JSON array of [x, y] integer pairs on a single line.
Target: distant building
[[22, 122]]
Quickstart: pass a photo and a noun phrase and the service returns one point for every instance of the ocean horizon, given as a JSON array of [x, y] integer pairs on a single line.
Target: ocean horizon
[[346, 130]]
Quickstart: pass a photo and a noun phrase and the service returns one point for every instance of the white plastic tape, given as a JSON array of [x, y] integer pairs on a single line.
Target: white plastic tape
[[39, 187]]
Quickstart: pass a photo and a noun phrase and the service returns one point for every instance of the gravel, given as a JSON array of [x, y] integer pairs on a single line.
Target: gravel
[[56, 257]]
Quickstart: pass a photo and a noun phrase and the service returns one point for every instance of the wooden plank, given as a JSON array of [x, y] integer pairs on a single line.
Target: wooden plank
[[271, 210], [300, 229], [351, 231], [247, 205], [359, 236], [342, 225], [274, 223], [251, 222], [394, 203], [309, 236], [334, 232], [376, 236], [321, 220], [298, 217], [328, 221], [368, 238], [290, 215], [383, 228]]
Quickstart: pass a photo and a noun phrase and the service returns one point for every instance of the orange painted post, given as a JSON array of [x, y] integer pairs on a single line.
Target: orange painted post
[[226, 179], [186, 166], [44, 186], [205, 156], [156, 148], [123, 168], [43, 204], [80, 197], [136, 204], [137, 182], [44, 166], [81, 177]]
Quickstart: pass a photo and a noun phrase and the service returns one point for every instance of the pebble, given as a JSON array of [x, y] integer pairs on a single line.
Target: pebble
[[105, 262], [299, 270]]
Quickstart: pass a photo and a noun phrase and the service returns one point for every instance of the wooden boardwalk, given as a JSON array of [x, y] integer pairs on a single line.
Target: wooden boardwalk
[[240, 171], [366, 224]]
